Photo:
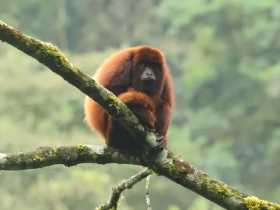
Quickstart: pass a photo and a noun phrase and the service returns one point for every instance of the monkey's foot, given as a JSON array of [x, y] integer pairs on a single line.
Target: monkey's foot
[[160, 143]]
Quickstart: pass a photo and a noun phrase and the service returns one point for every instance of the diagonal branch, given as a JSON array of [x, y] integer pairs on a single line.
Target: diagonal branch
[[173, 168], [50, 56]]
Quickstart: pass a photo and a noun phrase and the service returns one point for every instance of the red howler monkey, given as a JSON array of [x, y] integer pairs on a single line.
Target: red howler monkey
[[139, 76]]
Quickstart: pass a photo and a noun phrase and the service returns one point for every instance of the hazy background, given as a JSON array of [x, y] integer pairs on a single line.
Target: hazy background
[[224, 58]]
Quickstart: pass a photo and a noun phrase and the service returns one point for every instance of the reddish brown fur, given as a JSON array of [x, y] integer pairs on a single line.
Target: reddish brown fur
[[136, 100], [153, 109]]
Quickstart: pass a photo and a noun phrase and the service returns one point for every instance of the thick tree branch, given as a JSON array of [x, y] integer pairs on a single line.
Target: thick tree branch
[[112, 203], [68, 156], [173, 168]]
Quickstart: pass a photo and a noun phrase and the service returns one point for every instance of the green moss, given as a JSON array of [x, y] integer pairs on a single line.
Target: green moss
[[53, 151], [82, 149], [45, 49], [254, 203], [38, 157], [172, 168], [216, 186], [114, 104]]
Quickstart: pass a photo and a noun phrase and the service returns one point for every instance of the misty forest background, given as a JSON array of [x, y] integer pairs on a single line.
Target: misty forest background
[[224, 58]]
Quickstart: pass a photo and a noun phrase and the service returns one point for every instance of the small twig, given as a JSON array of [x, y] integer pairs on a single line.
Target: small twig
[[147, 195], [112, 203]]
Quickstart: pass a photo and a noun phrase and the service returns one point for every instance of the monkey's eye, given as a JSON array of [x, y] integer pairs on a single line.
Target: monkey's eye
[[141, 66]]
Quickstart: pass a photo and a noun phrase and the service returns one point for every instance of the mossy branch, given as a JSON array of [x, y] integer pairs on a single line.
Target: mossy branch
[[173, 168], [65, 155]]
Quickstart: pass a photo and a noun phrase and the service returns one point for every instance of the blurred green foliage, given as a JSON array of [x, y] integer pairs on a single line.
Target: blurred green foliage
[[223, 55]]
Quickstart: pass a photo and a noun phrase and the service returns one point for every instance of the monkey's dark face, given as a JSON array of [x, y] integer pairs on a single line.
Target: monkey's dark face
[[147, 78], [148, 75]]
